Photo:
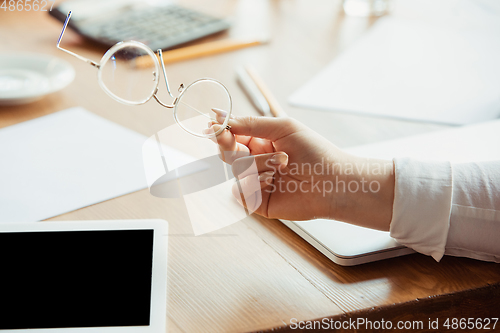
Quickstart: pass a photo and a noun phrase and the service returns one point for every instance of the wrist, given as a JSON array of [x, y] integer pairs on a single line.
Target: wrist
[[364, 192]]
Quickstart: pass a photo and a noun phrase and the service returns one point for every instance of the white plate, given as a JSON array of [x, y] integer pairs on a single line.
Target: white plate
[[25, 77]]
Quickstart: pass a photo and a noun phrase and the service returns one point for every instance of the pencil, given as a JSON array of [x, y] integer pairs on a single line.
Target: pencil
[[199, 50], [274, 106]]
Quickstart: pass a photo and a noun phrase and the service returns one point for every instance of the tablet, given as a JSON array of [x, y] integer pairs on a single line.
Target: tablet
[[84, 276]]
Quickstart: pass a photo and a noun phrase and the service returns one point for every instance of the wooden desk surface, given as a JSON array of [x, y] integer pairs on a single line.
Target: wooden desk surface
[[255, 274]]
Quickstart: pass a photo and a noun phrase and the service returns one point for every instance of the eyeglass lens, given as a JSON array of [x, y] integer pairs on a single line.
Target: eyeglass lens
[[194, 107], [124, 80]]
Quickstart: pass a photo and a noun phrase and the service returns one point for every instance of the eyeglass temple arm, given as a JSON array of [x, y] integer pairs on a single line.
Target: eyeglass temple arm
[[164, 72], [93, 63]]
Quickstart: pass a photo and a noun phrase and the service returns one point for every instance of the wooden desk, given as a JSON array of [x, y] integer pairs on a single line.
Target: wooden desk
[[257, 274]]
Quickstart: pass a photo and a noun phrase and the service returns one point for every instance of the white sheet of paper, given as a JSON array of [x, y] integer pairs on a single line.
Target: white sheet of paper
[[474, 143], [413, 69], [68, 160]]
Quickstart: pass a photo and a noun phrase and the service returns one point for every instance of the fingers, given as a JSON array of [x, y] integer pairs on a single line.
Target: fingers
[[260, 127], [220, 115], [249, 134], [230, 149], [225, 139], [255, 173], [245, 166], [249, 189], [253, 183], [259, 146]]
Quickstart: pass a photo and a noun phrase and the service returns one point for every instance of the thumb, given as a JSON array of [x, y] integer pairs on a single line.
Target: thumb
[[261, 127]]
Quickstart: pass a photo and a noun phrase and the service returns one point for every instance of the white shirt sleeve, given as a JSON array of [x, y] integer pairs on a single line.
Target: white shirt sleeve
[[443, 208]]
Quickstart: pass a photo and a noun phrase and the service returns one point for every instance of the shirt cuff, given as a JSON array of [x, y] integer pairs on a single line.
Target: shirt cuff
[[422, 205]]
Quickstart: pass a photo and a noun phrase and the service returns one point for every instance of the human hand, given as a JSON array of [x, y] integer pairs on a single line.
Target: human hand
[[301, 175]]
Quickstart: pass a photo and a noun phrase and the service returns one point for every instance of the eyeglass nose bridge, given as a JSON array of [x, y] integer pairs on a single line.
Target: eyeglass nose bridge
[[155, 96], [180, 90]]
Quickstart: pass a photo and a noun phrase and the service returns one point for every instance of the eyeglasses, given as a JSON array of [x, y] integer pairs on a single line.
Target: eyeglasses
[[122, 75]]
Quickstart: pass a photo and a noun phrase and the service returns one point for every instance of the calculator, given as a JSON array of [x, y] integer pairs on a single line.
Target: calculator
[[160, 27]]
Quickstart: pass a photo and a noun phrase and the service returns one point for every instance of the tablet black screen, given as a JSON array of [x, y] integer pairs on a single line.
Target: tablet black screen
[[75, 278]]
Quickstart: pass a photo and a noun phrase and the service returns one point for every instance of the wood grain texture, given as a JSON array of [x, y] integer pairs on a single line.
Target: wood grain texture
[[478, 304], [379, 283], [255, 274]]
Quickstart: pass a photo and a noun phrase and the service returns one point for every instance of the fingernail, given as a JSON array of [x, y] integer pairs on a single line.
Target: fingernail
[[279, 158], [220, 113], [265, 175], [209, 124]]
